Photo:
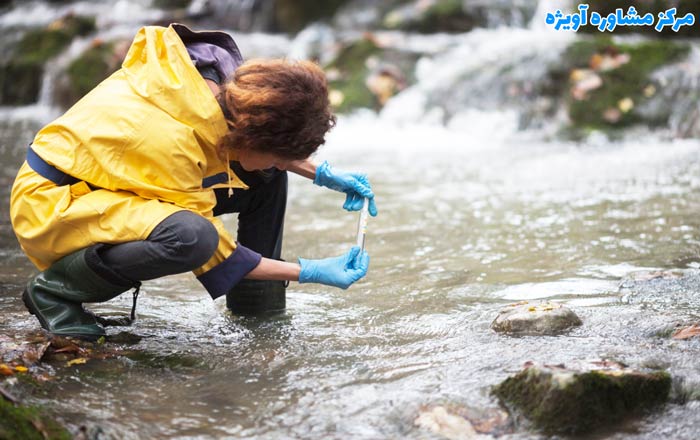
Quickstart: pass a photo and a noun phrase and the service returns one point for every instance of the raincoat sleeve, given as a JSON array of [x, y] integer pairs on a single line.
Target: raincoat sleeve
[[229, 264]]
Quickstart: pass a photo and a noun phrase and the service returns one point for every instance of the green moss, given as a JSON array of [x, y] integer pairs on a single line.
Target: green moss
[[39, 45], [626, 81], [93, 66], [21, 75], [353, 72], [28, 423], [585, 402], [442, 16], [171, 4], [291, 16]]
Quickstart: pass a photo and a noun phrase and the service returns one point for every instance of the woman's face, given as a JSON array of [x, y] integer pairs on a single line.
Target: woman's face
[[252, 160]]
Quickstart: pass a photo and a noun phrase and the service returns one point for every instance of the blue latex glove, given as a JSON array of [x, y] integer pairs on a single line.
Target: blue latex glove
[[339, 271], [355, 186]]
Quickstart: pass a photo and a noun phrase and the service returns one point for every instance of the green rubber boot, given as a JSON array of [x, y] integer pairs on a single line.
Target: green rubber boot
[[55, 296], [257, 297]]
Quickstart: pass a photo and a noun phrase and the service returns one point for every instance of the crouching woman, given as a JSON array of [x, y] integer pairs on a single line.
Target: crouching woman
[[127, 185]]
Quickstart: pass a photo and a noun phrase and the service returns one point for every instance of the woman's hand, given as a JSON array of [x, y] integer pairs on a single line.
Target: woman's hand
[[339, 271], [356, 187]]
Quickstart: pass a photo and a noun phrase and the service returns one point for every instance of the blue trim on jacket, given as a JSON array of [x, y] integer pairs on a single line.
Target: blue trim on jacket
[[219, 280], [213, 180], [48, 171]]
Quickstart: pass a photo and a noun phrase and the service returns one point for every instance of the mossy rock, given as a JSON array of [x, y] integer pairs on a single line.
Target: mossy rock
[[441, 16], [28, 423], [349, 71], [605, 7], [171, 4], [579, 400], [629, 82], [291, 16], [21, 74], [87, 71]]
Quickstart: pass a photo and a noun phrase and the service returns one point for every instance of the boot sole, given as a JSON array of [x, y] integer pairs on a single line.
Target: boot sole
[[29, 304]]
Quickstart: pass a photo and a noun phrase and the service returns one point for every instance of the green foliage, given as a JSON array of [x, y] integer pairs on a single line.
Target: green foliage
[[28, 423], [627, 81]]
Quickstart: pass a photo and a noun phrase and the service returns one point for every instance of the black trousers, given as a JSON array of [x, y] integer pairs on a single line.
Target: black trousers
[[185, 240]]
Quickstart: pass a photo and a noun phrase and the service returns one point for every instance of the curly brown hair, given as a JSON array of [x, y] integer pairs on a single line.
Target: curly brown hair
[[277, 106]]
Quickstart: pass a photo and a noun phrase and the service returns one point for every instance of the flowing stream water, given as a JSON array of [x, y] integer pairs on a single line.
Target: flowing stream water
[[473, 215]]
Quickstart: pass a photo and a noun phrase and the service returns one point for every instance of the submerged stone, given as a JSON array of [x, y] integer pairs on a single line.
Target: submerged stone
[[535, 319], [463, 423], [582, 397]]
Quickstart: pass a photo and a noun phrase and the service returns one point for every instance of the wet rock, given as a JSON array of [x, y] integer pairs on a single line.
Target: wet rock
[[99, 61], [608, 85], [461, 423], [662, 289], [292, 16], [535, 319], [21, 73], [582, 397], [431, 16]]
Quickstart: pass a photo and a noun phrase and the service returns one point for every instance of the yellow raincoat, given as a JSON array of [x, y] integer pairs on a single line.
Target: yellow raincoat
[[144, 140]]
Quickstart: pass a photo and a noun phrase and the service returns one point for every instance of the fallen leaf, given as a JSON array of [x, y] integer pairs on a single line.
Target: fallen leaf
[[687, 332], [5, 370], [76, 361], [21, 369]]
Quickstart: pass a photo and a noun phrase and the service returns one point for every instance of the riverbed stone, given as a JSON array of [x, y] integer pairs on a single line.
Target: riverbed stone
[[581, 397], [525, 318], [457, 422], [667, 289]]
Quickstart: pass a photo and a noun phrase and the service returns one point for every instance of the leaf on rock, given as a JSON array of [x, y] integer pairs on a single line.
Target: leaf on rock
[[687, 332]]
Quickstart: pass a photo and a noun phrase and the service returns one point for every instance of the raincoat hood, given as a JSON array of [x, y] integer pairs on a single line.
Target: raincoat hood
[[158, 68]]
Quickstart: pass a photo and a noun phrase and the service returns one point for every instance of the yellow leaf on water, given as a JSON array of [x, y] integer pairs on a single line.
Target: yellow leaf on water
[[531, 309], [76, 361]]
